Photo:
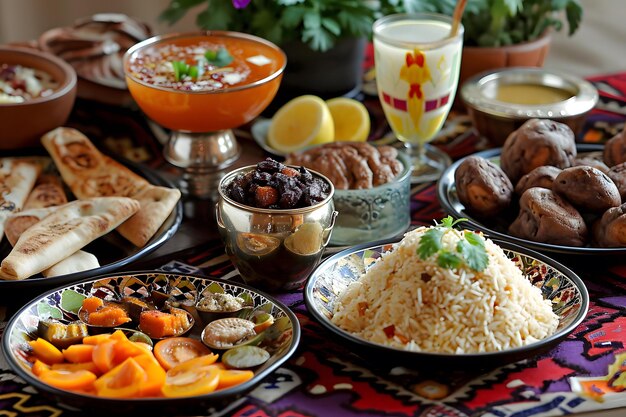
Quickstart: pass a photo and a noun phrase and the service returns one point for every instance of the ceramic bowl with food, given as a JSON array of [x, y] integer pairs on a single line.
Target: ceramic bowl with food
[[499, 102], [274, 248], [405, 324], [134, 378], [37, 92], [372, 189]]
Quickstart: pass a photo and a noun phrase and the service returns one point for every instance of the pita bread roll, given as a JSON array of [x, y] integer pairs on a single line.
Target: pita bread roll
[[88, 172], [42, 200], [48, 192], [76, 262], [17, 178], [17, 223], [64, 232], [156, 205]]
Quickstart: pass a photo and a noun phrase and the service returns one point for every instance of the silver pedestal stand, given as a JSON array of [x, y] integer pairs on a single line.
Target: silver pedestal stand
[[203, 157]]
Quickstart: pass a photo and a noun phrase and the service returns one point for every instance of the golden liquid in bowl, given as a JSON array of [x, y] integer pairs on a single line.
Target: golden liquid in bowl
[[531, 94]]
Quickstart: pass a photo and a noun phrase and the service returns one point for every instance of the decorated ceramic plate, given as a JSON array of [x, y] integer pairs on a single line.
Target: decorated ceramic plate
[[558, 284], [112, 250], [497, 227], [276, 337]]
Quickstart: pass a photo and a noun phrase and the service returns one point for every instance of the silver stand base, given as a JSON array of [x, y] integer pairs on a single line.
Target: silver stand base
[[203, 157]]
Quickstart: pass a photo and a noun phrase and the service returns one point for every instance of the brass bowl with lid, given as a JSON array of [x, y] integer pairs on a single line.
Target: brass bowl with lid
[[500, 101]]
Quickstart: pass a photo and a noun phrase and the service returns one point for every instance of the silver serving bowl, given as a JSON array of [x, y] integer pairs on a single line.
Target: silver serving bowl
[[495, 119], [274, 249]]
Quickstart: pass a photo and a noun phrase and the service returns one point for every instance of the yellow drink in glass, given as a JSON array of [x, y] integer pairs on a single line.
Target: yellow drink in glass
[[417, 73]]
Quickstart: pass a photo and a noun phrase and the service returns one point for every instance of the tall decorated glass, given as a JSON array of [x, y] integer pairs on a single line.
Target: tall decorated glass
[[417, 72]]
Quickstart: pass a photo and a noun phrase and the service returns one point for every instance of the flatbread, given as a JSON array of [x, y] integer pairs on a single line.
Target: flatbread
[[76, 262], [17, 223], [48, 192], [156, 205], [17, 178], [64, 232], [89, 173]]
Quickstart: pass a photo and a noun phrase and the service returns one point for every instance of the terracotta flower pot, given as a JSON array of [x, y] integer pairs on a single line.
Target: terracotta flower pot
[[479, 59]]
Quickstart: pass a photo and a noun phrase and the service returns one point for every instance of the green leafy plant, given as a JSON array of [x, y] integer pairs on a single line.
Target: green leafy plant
[[507, 22], [470, 249], [318, 23]]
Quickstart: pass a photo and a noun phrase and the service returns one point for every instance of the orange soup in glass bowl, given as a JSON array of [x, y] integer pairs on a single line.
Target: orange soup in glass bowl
[[220, 93], [200, 86]]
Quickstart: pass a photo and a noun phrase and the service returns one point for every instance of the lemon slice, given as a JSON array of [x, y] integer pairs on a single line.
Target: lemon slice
[[352, 122], [303, 121]]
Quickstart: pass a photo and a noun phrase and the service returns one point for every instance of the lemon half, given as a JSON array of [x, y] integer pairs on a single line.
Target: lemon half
[[302, 122], [352, 122]]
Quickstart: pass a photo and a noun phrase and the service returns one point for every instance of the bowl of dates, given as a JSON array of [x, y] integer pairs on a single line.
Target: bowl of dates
[[275, 221]]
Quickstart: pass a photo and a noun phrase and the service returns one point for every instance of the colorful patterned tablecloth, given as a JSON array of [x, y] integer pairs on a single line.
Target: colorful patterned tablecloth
[[323, 378]]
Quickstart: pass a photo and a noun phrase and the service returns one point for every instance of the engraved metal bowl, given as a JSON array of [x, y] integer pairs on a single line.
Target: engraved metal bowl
[[274, 249], [376, 213]]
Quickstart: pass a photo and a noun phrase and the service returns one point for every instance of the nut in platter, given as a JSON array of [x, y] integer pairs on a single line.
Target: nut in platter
[[275, 221]]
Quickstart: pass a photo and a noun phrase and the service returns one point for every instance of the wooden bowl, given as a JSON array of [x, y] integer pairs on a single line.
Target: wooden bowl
[[23, 124]]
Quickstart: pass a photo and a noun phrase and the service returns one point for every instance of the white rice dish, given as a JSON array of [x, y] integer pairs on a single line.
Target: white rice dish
[[408, 303]]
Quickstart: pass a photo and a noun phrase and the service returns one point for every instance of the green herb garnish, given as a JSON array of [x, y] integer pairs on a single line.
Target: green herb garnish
[[219, 58], [182, 69], [472, 248], [449, 260], [430, 243], [469, 250]]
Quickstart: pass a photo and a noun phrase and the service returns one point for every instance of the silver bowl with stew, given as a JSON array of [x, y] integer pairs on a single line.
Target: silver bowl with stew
[[274, 249], [499, 102]]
